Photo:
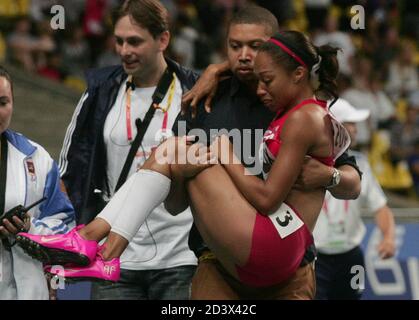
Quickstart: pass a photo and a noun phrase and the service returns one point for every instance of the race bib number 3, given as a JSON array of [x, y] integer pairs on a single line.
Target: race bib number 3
[[286, 221]]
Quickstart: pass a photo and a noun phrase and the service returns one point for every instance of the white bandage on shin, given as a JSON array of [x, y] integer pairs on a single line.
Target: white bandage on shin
[[134, 201]]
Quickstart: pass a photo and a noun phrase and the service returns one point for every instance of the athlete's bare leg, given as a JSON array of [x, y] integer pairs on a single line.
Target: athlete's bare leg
[[224, 218], [116, 244], [99, 228], [96, 230], [222, 214]]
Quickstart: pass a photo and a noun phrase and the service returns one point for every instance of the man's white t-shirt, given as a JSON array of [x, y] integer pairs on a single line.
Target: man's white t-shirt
[[339, 227], [162, 241]]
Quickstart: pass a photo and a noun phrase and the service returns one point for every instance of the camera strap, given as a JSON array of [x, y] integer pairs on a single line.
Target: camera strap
[[3, 180], [158, 95]]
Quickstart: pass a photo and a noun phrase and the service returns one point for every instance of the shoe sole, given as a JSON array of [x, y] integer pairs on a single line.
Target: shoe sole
[[73, 280], [51, 256]]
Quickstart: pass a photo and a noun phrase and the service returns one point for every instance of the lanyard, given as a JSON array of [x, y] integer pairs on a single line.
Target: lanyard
[[164, 110], [169, 103], [142, 126], [128, 111]]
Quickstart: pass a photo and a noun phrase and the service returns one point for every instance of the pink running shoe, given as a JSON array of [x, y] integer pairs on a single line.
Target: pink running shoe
[[59, 249], [98, 270]]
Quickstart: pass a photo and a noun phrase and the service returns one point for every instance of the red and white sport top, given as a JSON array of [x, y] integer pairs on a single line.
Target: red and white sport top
[[272, 137], [280, 239]]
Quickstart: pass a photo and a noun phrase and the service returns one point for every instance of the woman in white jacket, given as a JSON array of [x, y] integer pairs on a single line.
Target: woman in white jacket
[[29, 174]]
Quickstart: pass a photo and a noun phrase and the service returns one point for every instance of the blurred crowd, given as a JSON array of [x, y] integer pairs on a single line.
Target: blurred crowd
[[378, 64]]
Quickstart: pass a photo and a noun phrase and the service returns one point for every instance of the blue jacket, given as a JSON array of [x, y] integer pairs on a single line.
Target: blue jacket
[[83, 157]]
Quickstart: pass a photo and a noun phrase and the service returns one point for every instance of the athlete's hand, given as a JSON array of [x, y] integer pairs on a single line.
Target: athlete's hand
[[222, 148], [313, 175], [386, 248], [197, 158], [205, 87], [17, 226]]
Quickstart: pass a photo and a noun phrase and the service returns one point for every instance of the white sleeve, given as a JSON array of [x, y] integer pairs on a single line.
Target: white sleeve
[[373, 197]]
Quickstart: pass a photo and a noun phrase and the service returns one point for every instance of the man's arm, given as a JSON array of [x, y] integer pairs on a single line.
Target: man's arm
[[205, 87], [315, 174], [385, 221], [374, 200]]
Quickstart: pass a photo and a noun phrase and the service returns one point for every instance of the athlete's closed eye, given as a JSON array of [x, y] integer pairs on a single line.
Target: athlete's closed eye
[[255, 45], [234, 45], [266, 81]]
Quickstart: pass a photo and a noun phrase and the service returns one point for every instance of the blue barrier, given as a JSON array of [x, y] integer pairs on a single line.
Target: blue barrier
[[78, 291], [396, 278]]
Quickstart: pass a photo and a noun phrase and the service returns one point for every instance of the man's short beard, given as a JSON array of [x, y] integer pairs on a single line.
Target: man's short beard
[[250, 80]]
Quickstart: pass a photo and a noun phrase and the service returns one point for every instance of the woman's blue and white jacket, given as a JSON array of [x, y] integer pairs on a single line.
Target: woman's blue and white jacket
[[31, 175]]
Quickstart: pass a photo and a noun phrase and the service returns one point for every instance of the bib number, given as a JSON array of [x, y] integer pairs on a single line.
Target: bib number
[[341, 138], [286, 221]]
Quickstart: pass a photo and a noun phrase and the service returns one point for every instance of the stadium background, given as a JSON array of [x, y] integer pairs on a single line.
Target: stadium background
[[379, 71]]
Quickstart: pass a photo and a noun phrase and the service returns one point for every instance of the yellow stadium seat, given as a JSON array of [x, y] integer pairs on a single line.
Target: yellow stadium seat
[[299, 22], [14, 8], [396, 177], [2, 48], [401, 108], [335, 11], [75, 83]]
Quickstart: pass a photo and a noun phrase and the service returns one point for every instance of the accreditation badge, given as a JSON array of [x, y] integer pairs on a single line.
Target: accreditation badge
[[336, 234], [30, 169]]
